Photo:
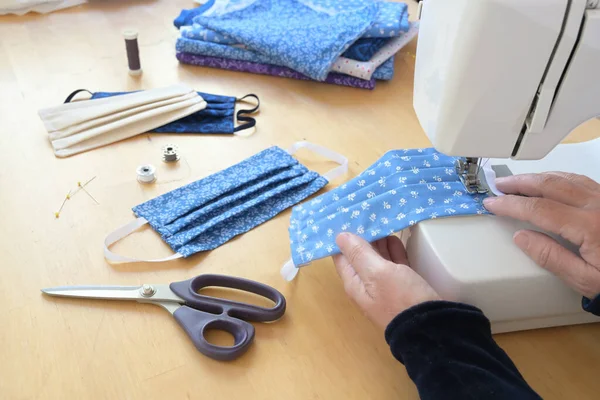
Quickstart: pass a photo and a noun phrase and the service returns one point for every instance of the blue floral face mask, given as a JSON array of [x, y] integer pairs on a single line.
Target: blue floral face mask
[[217, 117], [207, 213], [399, 190]]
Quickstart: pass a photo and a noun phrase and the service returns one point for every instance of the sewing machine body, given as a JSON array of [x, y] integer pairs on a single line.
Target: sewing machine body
[[508, 80]]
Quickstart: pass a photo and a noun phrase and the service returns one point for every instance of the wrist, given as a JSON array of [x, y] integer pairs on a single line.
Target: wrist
[[431, 318], [420, 311]]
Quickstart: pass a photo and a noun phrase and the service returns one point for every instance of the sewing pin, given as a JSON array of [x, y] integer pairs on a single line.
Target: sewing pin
[[67, 197], [89, 180], [88, 193], [80, 186]]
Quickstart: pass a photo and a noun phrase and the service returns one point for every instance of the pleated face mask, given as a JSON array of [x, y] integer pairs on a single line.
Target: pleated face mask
[[399, 190], [207, 213], [84, 125], [217, 117]]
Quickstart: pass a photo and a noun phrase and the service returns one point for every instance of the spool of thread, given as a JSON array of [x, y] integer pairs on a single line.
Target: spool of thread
[[146, 173], [133, 51]]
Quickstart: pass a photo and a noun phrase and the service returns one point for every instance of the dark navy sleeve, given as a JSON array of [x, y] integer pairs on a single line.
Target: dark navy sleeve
[[448, 351], [592, 306]]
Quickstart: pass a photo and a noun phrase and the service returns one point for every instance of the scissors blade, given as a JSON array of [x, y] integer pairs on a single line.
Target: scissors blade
[[96, 292]]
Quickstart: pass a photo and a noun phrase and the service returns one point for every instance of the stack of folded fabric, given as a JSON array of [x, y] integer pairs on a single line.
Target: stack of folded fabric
[[344, 42]]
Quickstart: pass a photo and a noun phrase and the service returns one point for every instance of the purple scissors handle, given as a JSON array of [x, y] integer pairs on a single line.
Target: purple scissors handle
[[202, 313]]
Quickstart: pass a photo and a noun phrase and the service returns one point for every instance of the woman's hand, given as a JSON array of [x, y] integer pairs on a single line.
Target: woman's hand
[[565, 204], [378, 277]]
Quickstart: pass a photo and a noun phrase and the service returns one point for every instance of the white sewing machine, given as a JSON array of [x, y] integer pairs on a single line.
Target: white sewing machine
[[508, 80]]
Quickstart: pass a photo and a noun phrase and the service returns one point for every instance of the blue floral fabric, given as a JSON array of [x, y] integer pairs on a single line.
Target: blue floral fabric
[[183, 45], [186, 17], [365, 49], [198, 32], [207, 213], [391, 21], [361, 50], [399, 190], [217, 117], [385, 72], [293, 33]]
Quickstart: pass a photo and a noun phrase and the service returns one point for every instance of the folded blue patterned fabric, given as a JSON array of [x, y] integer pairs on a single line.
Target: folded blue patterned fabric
[[361, 50], [385, 72], [197, 32], [391, 20], [183, 45], [304, 35], [186, 17], [365, 49]]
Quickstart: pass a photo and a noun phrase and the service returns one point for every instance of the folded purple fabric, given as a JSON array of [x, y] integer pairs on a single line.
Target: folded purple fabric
[[268, 69]]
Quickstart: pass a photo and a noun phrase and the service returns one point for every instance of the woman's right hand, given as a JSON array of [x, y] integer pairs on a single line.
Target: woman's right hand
[[565, 204]]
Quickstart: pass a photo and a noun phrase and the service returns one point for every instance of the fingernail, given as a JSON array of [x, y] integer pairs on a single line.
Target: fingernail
[[343, 237], [489, 200], [521, 239], [501, 180]]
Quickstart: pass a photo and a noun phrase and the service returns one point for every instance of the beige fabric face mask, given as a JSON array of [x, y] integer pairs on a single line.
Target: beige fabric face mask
[[80, 126]]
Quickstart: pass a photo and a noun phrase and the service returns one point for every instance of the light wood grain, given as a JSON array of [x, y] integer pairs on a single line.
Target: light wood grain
[[68, 349]]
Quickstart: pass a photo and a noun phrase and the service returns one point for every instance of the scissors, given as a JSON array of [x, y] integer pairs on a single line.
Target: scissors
[[196, 313]]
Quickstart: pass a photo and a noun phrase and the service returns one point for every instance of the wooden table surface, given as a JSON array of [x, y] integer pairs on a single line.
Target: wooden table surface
[[74, 349]]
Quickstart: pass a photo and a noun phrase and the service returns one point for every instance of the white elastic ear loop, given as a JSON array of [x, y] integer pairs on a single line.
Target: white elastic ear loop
[[490, 177], [119, 234], [289, 270], [246, 132], [327, 153]]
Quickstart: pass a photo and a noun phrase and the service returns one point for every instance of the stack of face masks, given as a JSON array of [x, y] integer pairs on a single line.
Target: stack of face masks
[[111, 116], [217, 117], [351, 42], [84, 125]]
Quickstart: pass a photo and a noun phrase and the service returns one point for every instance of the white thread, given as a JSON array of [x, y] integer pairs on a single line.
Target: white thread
[[146, 173], [490, 178]]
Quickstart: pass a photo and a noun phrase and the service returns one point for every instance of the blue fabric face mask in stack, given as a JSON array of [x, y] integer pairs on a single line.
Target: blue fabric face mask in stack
[[207, 213], [217, 117], [401, 189], [278, 29]]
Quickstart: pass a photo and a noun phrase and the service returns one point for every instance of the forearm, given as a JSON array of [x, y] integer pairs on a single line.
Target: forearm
[[449, 353]]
